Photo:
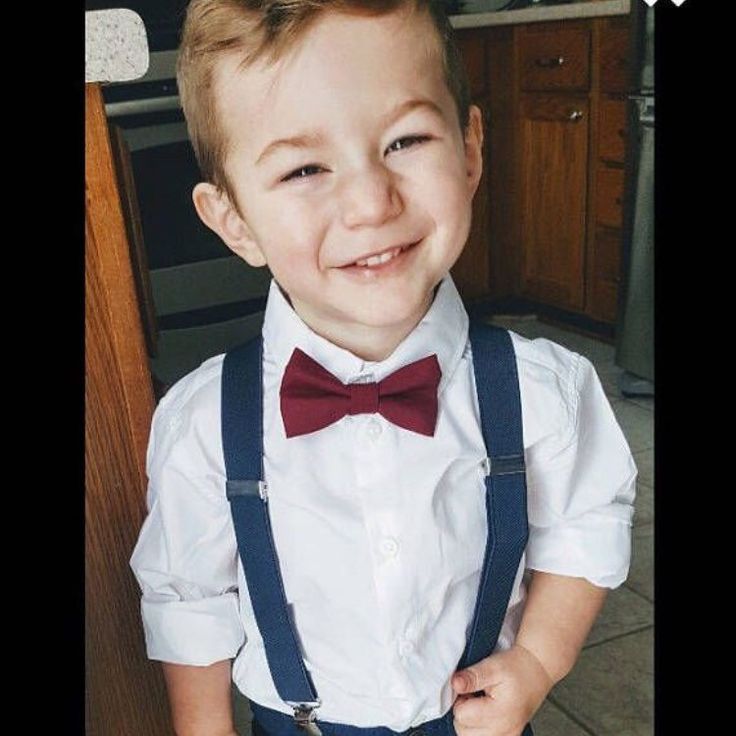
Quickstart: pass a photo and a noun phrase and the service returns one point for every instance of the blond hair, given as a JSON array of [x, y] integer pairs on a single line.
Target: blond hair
[[256, 28]]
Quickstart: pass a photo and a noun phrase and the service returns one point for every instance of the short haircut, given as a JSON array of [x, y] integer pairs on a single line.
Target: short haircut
[[253, 29]]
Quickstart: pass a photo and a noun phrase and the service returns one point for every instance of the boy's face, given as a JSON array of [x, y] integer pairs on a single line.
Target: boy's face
[[345, 151]]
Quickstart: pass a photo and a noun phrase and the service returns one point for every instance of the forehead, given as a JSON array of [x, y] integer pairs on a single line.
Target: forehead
[[345, 69]]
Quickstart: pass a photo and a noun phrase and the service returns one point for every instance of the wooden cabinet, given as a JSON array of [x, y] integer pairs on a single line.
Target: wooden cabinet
[[552, 57], [125, 693], [552, 157], [608, 144], [553, 147], [549, 207]]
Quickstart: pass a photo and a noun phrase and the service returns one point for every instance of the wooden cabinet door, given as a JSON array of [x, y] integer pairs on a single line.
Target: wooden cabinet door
[[553, 161], [125, 693]]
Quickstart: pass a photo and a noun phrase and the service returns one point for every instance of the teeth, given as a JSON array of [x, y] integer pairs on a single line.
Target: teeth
[[377, 260]]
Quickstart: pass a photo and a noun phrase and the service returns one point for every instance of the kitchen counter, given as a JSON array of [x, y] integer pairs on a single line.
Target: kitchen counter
[[115, 46], [542, 13]]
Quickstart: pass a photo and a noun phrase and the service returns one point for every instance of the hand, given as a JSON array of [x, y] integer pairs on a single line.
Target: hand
[[512, 684]]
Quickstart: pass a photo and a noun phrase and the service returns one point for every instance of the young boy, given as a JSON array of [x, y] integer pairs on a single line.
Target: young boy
[[338, 147]]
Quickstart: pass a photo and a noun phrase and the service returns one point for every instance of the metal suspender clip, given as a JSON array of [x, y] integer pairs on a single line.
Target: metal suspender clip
[[504, 465], [305, 717], [263, 490], [486, 463], [236, 488]]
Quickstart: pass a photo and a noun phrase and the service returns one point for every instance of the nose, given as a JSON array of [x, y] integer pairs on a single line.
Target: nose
[[369, 197]]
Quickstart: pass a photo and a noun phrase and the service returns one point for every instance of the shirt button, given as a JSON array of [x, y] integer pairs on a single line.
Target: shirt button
[[389, 547], [374, 429], [405, 648]]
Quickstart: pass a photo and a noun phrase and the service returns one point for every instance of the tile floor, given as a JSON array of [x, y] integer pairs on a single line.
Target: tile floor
[[610, 692]]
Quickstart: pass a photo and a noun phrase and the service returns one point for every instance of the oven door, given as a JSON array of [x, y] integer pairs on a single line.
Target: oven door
[[202, 299]]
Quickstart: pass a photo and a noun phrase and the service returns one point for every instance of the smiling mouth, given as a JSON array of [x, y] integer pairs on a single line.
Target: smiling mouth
[[380, 258]]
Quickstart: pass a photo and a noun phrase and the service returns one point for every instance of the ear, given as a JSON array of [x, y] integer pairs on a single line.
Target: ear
[[219, 214], [474, 148]]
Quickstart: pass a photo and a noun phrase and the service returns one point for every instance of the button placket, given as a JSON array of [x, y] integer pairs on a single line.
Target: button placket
[[389, 547], [406, 648], [373, 429]]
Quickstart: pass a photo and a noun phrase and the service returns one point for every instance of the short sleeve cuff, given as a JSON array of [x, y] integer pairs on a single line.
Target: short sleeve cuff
[[198, 632], [600, 552]]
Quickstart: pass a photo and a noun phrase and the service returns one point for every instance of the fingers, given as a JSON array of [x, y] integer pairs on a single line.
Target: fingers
[[473, 712], [481, 717], [480, 676]]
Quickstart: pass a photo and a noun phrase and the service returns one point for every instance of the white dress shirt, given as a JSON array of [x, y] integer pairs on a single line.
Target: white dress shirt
[[380, 532]]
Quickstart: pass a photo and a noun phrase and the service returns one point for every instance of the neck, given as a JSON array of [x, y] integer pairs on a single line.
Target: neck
[[367, 342]]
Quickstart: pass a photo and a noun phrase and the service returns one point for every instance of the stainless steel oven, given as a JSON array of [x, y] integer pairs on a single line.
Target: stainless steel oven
[[205, 299]]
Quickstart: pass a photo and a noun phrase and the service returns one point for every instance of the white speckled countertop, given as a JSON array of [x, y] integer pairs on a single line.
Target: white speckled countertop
[[116, 46]]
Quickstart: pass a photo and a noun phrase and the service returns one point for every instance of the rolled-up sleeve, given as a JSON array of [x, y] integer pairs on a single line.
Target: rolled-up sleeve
[[581, 486], [185, 559]]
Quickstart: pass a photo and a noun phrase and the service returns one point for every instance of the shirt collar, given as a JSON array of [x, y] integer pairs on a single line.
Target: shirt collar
[[443, 330]]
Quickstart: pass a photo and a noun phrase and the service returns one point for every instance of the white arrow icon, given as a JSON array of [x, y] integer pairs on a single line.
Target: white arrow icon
[[650, 3]]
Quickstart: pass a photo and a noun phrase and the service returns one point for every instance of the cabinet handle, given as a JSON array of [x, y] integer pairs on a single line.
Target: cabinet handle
[[551, 62], [575, 115]]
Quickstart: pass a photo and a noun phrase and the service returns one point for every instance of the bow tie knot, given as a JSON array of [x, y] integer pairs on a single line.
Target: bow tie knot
[[312, 398], [363, 398]]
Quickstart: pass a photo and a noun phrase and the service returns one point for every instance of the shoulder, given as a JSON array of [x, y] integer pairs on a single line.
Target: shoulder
[[549, 385], [188, 413], [195, 392]]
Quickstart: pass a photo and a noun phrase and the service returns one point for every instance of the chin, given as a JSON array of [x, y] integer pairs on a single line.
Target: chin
[[391, 314]]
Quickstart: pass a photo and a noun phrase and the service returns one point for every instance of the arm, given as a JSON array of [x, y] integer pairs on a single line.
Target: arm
[[185, 562], [558, 616], [200, 699]]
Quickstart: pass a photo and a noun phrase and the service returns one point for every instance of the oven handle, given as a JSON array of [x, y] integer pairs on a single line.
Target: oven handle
[[141, 107]]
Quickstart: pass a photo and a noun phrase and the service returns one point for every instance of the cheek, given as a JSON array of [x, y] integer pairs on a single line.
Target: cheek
[[292, 231], [441, 181], [445, 196], [291, 234]]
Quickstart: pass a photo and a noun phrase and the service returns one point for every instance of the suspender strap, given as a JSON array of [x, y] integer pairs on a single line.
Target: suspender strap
[[242, 438], [497, 386]]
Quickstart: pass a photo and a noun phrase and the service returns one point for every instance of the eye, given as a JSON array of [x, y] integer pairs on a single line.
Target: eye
[[303, 172], [407, 142]]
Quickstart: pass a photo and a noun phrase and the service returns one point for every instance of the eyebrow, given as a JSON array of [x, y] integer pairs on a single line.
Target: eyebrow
[[313, 139]]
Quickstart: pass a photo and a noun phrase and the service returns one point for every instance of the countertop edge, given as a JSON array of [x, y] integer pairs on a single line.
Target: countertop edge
[[541, 14]]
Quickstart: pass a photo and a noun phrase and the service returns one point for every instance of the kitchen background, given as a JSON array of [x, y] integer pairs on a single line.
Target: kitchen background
[[561, 247]]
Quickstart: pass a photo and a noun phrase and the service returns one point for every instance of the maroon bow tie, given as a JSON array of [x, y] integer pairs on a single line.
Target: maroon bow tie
[[312, 398]]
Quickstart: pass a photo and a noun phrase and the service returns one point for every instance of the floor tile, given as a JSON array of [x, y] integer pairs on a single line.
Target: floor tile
[[549, 720], [609, 376], [623, 612], [241, 713], [643, 504], [637, 424], [644, 460], [645, 402], [611, 688], [641, 571]]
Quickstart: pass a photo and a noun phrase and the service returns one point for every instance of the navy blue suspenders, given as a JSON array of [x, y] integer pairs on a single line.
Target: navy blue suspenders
[[242, 436]]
